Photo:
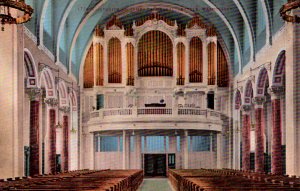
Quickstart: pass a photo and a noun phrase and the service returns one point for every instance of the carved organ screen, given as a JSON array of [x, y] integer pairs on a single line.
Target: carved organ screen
[[99, 64], [222, 65], [211, 50], [196, 60], [155, 54], [180, 63], [88, 75], [130, 64], [114, 61]]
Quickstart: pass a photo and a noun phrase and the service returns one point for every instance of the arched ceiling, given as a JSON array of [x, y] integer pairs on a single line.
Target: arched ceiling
[[65, 27]]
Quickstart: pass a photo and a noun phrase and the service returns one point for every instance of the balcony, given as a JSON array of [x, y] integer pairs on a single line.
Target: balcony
[[181, 118]]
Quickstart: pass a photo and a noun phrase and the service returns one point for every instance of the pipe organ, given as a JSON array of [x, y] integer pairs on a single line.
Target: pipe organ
[[114, 61], [196, 58], [130, 64], [154, 46], [89, 69], [180, 63], [155, 54]]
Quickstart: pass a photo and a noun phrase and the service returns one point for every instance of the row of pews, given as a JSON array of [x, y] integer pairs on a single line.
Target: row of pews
[[102, 180], [229, 180]]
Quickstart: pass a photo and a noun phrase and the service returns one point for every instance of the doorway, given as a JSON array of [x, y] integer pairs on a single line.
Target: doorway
[[155, 164]]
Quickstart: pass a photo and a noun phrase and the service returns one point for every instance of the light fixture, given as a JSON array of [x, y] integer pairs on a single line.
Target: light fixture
[[133, 133], [176, 133], [286, 10], [14, 12]]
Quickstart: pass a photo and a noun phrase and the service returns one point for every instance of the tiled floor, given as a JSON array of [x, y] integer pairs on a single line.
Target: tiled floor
[[155, 184]]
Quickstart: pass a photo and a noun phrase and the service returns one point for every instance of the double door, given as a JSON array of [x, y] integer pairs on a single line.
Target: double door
[[156, 164]]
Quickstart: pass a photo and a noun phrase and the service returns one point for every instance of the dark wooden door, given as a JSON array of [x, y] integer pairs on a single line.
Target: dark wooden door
[[155, 164]]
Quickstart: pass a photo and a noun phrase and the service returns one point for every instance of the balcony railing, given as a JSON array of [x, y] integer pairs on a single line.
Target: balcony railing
[[119, 113]]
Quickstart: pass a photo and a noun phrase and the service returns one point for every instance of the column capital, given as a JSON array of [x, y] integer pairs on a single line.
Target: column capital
[[276, 91], [246, 108], [64, 109], [33, 93], [51, 102], [259, 101]]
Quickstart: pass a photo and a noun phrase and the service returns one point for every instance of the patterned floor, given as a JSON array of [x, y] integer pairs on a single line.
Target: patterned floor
[[155, 184]]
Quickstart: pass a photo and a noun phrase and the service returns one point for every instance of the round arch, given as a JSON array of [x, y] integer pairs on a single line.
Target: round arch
[[248, 93], [262, 80], [279, 70]]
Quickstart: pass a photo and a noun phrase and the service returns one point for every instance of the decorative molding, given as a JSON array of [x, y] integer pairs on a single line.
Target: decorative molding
[[64, 109], [47, 52], [63, 67], [51, 101], [30, 34], [259, 101], [276, 91], [154, 25], [33, 93], [246, 108]]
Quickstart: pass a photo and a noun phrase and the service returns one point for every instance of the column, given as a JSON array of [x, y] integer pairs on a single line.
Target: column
[[66, 143], [276, 158], [52, 137], [12, 99], [185, 150], [138, 151], [259, 134], [246, 137], [124, 149], [34, 138], [219, 150], [91, 148]]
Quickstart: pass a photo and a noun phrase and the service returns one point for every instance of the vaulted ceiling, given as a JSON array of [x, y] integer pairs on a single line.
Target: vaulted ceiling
[[65, 27]]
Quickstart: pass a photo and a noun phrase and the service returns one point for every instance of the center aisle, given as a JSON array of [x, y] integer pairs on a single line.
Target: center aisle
[[155, 184]]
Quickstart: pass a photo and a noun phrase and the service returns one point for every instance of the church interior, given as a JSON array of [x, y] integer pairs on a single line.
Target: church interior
[[122, 95]]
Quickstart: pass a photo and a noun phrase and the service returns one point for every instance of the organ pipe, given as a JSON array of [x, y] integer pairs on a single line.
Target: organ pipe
[[99, 64], [211, 63], [155, 54], [88, 76], [180, 63], [222, 70], [114, 61], [196, 60], [130, 64]]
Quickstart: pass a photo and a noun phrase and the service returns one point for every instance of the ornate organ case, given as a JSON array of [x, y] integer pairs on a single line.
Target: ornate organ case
[[155, 59]]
